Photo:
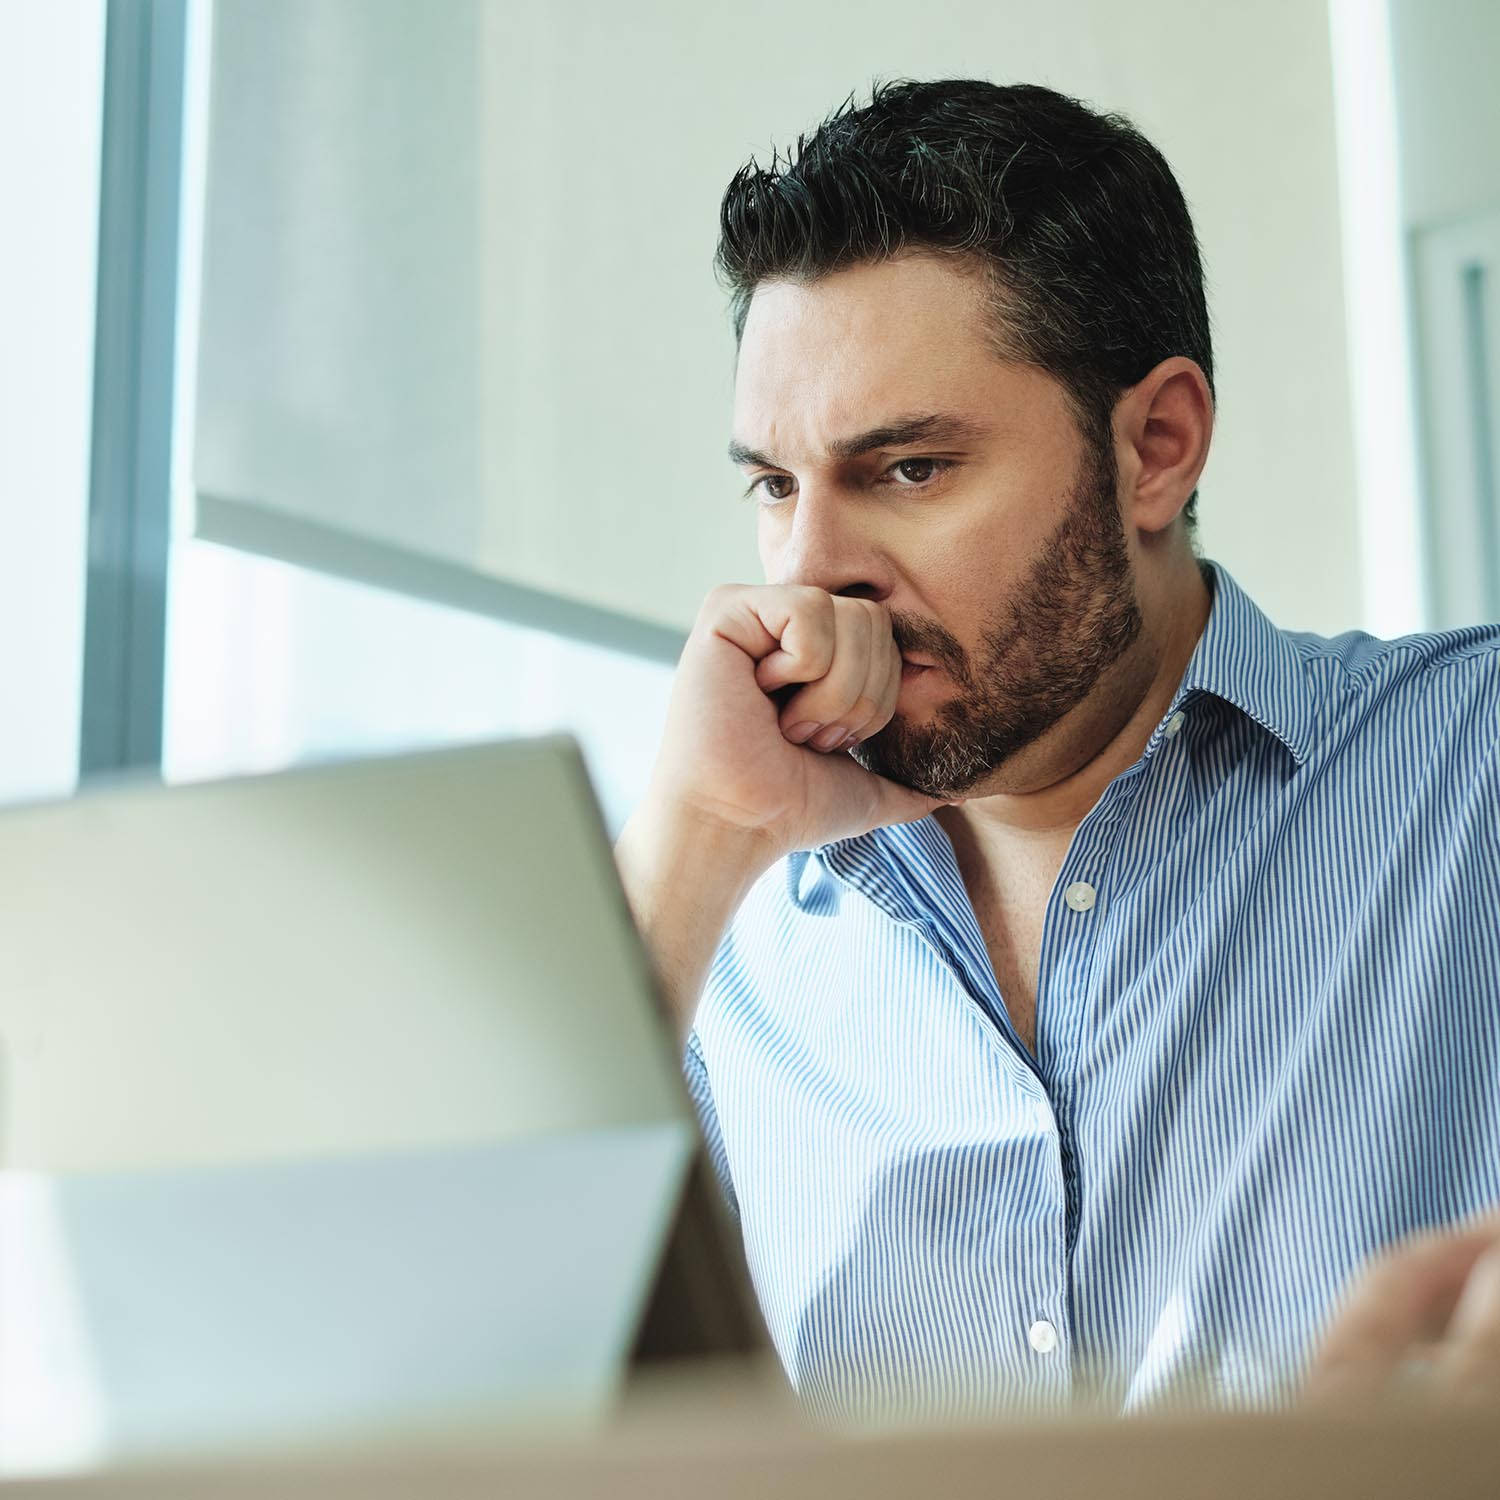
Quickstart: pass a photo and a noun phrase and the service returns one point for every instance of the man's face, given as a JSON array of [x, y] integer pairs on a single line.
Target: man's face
[[994, 538]]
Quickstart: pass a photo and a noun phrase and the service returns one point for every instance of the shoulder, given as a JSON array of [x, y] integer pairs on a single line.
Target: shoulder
[[772, 916], [799, 940], [1417, 710], [1442, 669]]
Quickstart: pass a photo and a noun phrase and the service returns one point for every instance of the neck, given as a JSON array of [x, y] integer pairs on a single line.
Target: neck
[[1050, 788]]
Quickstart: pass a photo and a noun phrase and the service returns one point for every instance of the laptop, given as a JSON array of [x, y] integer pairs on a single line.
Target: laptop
[[338, 1103]]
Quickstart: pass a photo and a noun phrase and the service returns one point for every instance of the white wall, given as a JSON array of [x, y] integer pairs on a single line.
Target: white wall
[[612, 131], [51, 73], [586, 144]]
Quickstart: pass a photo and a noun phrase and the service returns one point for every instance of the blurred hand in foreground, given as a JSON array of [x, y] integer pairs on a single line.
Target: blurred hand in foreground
[[1421, 1320]]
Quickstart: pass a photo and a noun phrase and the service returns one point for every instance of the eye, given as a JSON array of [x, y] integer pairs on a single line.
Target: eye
[[770, 479], [936, 466]]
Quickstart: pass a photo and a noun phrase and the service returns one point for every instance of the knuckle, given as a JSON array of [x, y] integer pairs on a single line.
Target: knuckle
[[718, 599]]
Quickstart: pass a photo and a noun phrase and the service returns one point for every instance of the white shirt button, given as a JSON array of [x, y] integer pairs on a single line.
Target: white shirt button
[[1080, 895], [1043, 1336], [1175, 723]]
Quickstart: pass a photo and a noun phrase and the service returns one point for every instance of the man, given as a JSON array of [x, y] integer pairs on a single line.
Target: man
[[1108, 974]]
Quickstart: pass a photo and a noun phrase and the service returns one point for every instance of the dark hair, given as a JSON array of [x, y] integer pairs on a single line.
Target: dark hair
[[1092, 265]]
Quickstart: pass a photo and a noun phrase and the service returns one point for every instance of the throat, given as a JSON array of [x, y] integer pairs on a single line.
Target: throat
[[1009, 890], [1014, 946]]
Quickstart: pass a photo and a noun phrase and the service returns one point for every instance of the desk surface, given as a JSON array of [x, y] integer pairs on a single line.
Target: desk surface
[[717, 1435]]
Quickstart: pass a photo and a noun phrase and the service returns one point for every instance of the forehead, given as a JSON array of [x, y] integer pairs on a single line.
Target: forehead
[[824, 359]]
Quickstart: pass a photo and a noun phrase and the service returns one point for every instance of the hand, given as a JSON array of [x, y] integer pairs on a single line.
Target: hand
[[732, 758], [1423, 1318], [737, 783]]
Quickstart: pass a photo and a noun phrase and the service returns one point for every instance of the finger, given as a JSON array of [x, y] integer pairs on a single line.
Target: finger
[[805, 628], [893, 688], [1466, 1364], [794, 624], [834, 700], [863, 717], [726, 612], [882, 688], [1400, 1304]]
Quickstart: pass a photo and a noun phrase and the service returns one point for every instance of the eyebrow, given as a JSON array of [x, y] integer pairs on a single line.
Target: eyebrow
[[903, 432]]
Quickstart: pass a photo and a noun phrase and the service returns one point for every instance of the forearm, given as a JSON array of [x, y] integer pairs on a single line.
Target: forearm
[[684, 879]]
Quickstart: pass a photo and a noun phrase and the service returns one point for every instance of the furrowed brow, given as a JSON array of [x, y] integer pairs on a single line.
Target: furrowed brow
[[908, 432], [903, 432], [740, 454]]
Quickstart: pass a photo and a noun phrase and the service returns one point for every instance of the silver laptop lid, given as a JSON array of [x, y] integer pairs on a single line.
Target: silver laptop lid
[[425, 950]]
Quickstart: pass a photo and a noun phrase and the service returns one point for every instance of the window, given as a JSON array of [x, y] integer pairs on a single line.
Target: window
[[269, 665], [51, 80]]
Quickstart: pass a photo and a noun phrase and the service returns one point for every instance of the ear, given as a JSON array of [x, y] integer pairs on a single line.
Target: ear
[[1163, 425]]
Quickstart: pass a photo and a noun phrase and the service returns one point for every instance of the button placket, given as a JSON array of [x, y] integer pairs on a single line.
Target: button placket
[[1068, 947], [1068, 935]]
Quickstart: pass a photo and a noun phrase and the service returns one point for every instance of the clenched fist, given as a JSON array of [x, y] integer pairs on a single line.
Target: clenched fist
[[773, 766], [774, 685]]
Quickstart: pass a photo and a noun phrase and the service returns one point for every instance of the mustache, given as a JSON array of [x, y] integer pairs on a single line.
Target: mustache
[[915, 636]]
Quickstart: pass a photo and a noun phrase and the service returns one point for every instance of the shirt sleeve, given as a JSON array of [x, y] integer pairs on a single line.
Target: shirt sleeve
[[695, 1071]]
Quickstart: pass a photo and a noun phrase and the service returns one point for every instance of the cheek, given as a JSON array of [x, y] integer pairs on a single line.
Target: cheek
[[768, 544], [961, 573], [964, 582], [993, 554]]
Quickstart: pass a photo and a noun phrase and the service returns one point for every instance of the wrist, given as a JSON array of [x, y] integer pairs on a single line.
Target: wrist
[[667, 842], [685, 876]]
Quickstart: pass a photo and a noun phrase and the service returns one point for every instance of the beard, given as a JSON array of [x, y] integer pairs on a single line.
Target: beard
[[1073, 616]]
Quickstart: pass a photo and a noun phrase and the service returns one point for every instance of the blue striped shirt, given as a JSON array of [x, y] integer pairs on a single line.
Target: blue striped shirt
[[1268, 1048]]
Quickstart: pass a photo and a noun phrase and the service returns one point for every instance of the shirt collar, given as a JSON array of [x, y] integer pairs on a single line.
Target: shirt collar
[[1245, 660]]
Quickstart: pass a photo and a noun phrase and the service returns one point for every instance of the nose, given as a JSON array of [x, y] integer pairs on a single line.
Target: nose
[[823, 544]]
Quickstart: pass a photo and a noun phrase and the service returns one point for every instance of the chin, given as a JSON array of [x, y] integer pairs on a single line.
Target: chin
[[938, 757], [916, 772]]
